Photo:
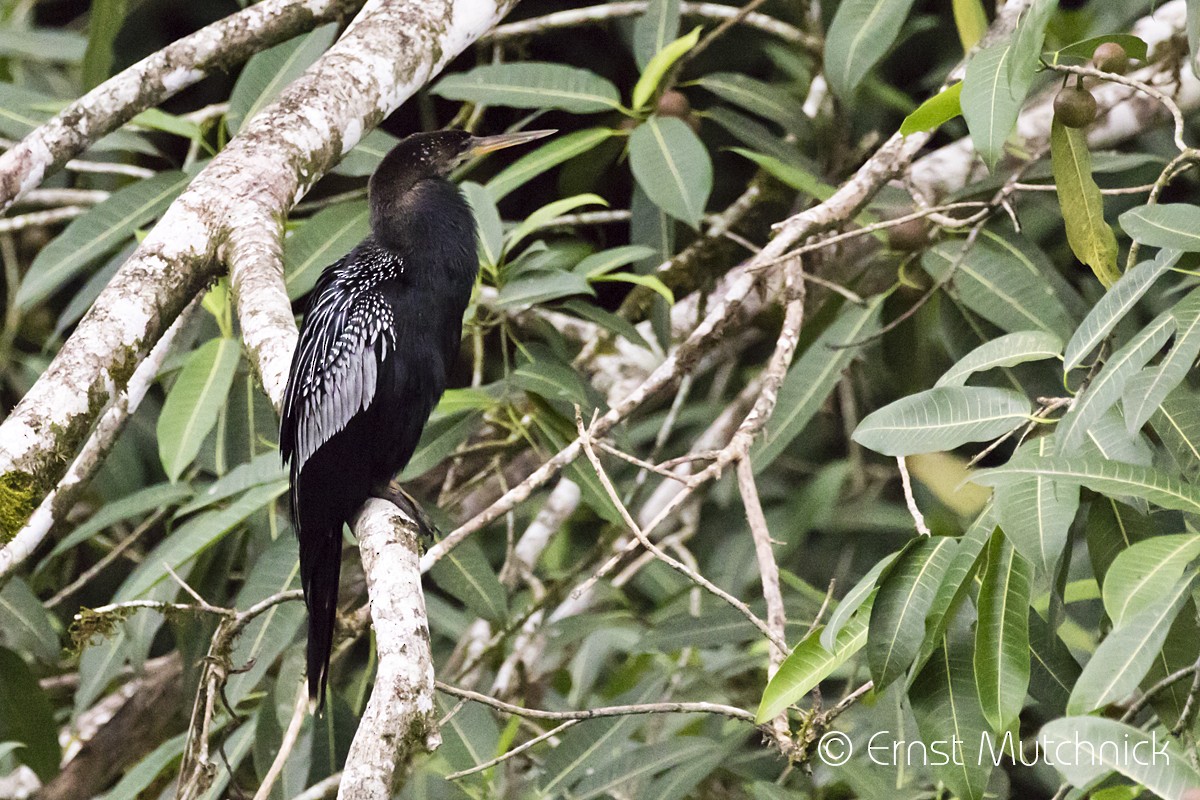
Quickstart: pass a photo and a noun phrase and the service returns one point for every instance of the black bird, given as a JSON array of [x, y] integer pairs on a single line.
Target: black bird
[[380, 334]]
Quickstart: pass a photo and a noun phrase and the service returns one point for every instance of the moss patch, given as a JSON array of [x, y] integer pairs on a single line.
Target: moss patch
[[88, 625], [16, 503]]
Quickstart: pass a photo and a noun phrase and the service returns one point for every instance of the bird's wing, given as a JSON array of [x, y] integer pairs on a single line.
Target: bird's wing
[[347, 332]]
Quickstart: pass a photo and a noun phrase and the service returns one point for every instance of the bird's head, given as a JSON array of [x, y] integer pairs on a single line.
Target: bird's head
[[429, 156]]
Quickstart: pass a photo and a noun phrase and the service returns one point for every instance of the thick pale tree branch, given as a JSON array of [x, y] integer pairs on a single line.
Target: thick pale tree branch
[[110, 105]]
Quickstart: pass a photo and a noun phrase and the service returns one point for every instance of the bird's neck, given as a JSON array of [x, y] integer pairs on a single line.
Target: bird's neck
[[429, 223]]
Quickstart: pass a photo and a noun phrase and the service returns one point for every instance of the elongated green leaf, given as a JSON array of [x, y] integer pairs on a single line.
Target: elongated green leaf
[[808, 664], [27, 717], [1113, 307], [756, 136], [1177, 424], [1151, 760], [898, 613], [955, 585], [640, 763], [466, 574], [193, 538], [800, 179], [996, 282], [1002, 634], [942, 419], [43, 44], [1110, 438], [1053, 670], [323, 239], [653, 72], [146, 771], [194, 402], [1141, 574], [946, 705], [267, 73], [605, 319], [971, 21], [487, 223], [1106, 388], [104, 23], [163, 495], [861, 593], [548, 156], [1082, 50], [672, 167], [758, 97], [1108, 477], [997, 80], [934, 112], [366, 155], [1091, 238], [101, 230], [608, 260], [860, 35], [441, 437], [1003, 351], [1036, 512], [267, 636], [532, 84], [1146, 391], [1169, 225], [654, 29], [812, 377], [540, 286], [547, 213], [25, 624], [1128, 652]]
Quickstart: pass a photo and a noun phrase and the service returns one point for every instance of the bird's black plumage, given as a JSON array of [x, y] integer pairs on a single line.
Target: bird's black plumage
[[379, 337]]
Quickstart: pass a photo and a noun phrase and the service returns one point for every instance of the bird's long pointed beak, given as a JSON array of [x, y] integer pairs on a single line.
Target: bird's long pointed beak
[[486, 144]]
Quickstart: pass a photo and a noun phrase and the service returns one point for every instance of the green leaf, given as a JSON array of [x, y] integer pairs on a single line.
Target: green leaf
[[104, 23], [1083, 50], [1053, 670], [195, 400], [997, 80], [812, 378], [1127, 653], [1002, 634], [606, 261], [1168, 773], [362, 160], [467, 576], [532, 84], [955, 585], [808, 664], [654, 29], [1113, 307], [1091, 238], [540, 286], [1002, 285], [1147, 390], [639, 764], [441, 437], [487, 222], [758, 97], [862, 593], [1141, 574], [548, 212], [43, 44], [860, 35], [1177, 425], [1036, 513], [654, 71], [157, 120], [898, 613], [1168, 225], [269, 634], [25, 624], [971, 21], [99, 231], [1003, 351], [263, 468], [549, 155], [799, 179], [162, 495], [1108, 477], [323, 239], [672, 167], [267, 73], [194, 537], [937, 110], [652, 282], [1106, 388], [26, 716], [946, 705], [138, 777], [942, 419], [755, 135]]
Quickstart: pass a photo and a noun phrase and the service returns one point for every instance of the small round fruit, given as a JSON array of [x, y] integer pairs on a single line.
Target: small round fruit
[[1075, 107], [674, 104], [1111, 57], [909, 235]]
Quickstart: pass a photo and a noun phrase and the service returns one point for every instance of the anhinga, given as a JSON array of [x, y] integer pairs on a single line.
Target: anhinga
[[380, 334]]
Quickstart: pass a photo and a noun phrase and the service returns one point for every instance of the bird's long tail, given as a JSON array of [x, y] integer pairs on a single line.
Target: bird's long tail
[[320, 567]]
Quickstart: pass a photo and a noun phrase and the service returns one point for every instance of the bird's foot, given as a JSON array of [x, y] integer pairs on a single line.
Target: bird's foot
[[395, 494]]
